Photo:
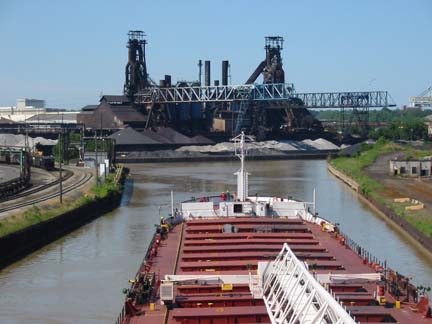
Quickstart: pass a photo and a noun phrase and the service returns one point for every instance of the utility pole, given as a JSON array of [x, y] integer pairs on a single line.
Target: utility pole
[[60, 164], [96, 159], [81, 153]]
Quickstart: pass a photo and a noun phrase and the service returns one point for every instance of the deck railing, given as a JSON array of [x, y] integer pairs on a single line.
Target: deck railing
[[121, 316], [395, 283]]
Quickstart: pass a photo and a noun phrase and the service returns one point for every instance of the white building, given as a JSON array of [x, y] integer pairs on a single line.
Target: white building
[[30, 103], [24, 109]]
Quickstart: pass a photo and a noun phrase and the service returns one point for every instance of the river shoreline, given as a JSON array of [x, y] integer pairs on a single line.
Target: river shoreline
[[18, 245], [417, 238]]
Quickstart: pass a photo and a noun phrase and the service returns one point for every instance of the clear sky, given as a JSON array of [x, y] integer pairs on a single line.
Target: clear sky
[[69, 52]]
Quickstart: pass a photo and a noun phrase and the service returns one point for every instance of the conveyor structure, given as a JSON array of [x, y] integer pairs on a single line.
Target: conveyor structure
[[264, 92]]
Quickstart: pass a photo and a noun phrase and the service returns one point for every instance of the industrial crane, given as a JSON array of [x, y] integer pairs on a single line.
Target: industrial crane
[[424, 99]]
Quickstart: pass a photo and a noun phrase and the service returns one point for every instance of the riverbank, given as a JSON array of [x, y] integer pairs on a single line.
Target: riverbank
[[26, 232], [381, 193]]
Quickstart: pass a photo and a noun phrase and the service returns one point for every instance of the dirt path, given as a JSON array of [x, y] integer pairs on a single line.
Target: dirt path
[[415, 188]]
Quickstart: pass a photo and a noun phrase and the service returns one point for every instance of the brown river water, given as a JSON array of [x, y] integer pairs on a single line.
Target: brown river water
[[79, 278]]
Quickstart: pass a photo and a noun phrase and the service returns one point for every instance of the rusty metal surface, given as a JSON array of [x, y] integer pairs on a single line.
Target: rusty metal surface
[[239, 254]]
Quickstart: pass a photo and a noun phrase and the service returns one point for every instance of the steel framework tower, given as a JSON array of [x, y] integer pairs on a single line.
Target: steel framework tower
[[136, 69]]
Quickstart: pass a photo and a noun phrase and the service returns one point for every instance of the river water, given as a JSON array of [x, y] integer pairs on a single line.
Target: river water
[[79, 278]]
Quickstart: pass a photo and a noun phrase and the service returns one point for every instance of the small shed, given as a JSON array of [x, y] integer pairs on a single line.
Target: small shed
[[411, 167]]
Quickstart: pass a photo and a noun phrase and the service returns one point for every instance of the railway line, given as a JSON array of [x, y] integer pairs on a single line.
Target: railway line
[[84, 179], [35, 189]]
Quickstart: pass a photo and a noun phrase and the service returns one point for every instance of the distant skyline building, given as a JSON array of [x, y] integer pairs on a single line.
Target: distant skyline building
[[26, 108]]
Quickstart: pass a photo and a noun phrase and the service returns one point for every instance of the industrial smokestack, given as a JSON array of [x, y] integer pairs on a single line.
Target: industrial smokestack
[[199, 71], [167, 80], [225, 65], [207, 78]]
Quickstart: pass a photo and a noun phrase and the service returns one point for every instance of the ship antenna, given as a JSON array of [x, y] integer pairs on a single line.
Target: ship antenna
[[242, 174]]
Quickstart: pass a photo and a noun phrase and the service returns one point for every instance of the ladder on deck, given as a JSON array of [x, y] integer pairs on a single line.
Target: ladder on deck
[[292, 295]]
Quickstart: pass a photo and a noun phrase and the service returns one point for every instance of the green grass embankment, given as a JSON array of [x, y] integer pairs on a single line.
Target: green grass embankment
[[35, 215], [354, 167]]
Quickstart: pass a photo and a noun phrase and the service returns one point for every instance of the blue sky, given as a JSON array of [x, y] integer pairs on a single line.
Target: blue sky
[[69, 52]]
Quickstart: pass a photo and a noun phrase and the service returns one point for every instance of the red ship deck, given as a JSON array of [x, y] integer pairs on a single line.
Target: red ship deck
[[200, 247]]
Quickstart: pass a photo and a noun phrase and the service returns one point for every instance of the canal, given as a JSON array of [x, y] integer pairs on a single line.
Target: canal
[[79, 278]]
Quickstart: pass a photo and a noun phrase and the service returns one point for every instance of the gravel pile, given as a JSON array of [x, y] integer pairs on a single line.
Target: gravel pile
[[19, 140], [270, 147], [321, 144], [163, 154], [10, 139]]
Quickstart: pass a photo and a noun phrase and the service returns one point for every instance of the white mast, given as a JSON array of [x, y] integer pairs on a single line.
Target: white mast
[[242, 175], [172, 203]]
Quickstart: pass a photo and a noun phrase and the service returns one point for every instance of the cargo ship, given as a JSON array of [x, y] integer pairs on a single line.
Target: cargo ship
[[236, 258]]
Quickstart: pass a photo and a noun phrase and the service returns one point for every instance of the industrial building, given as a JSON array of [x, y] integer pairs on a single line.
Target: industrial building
[[271, 109], [423, 100], [158, 138], [30, 103], [63, 117], [30, 110], [411, 167], [25, 108], [113, 113]]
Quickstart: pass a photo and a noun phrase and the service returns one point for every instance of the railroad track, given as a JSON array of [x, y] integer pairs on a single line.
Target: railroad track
[[86, 177], [67, 175]]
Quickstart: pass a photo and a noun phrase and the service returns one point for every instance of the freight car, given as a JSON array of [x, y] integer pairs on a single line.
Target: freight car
[[43, 162], [36, 160]]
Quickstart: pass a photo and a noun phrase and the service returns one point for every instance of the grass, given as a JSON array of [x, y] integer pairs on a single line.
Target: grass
[[355, 166], [35, 215], [412, 154]]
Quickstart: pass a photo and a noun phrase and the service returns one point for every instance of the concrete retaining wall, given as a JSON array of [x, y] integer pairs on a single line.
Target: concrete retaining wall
[[338, 174], [414, 233], [21, 243]]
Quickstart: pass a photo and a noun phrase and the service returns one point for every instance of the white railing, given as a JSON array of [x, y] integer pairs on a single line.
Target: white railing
[[255, 286], [292, 294]]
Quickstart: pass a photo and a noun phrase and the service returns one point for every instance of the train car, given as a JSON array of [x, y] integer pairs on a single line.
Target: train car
[[43, 162], [37, 160]]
